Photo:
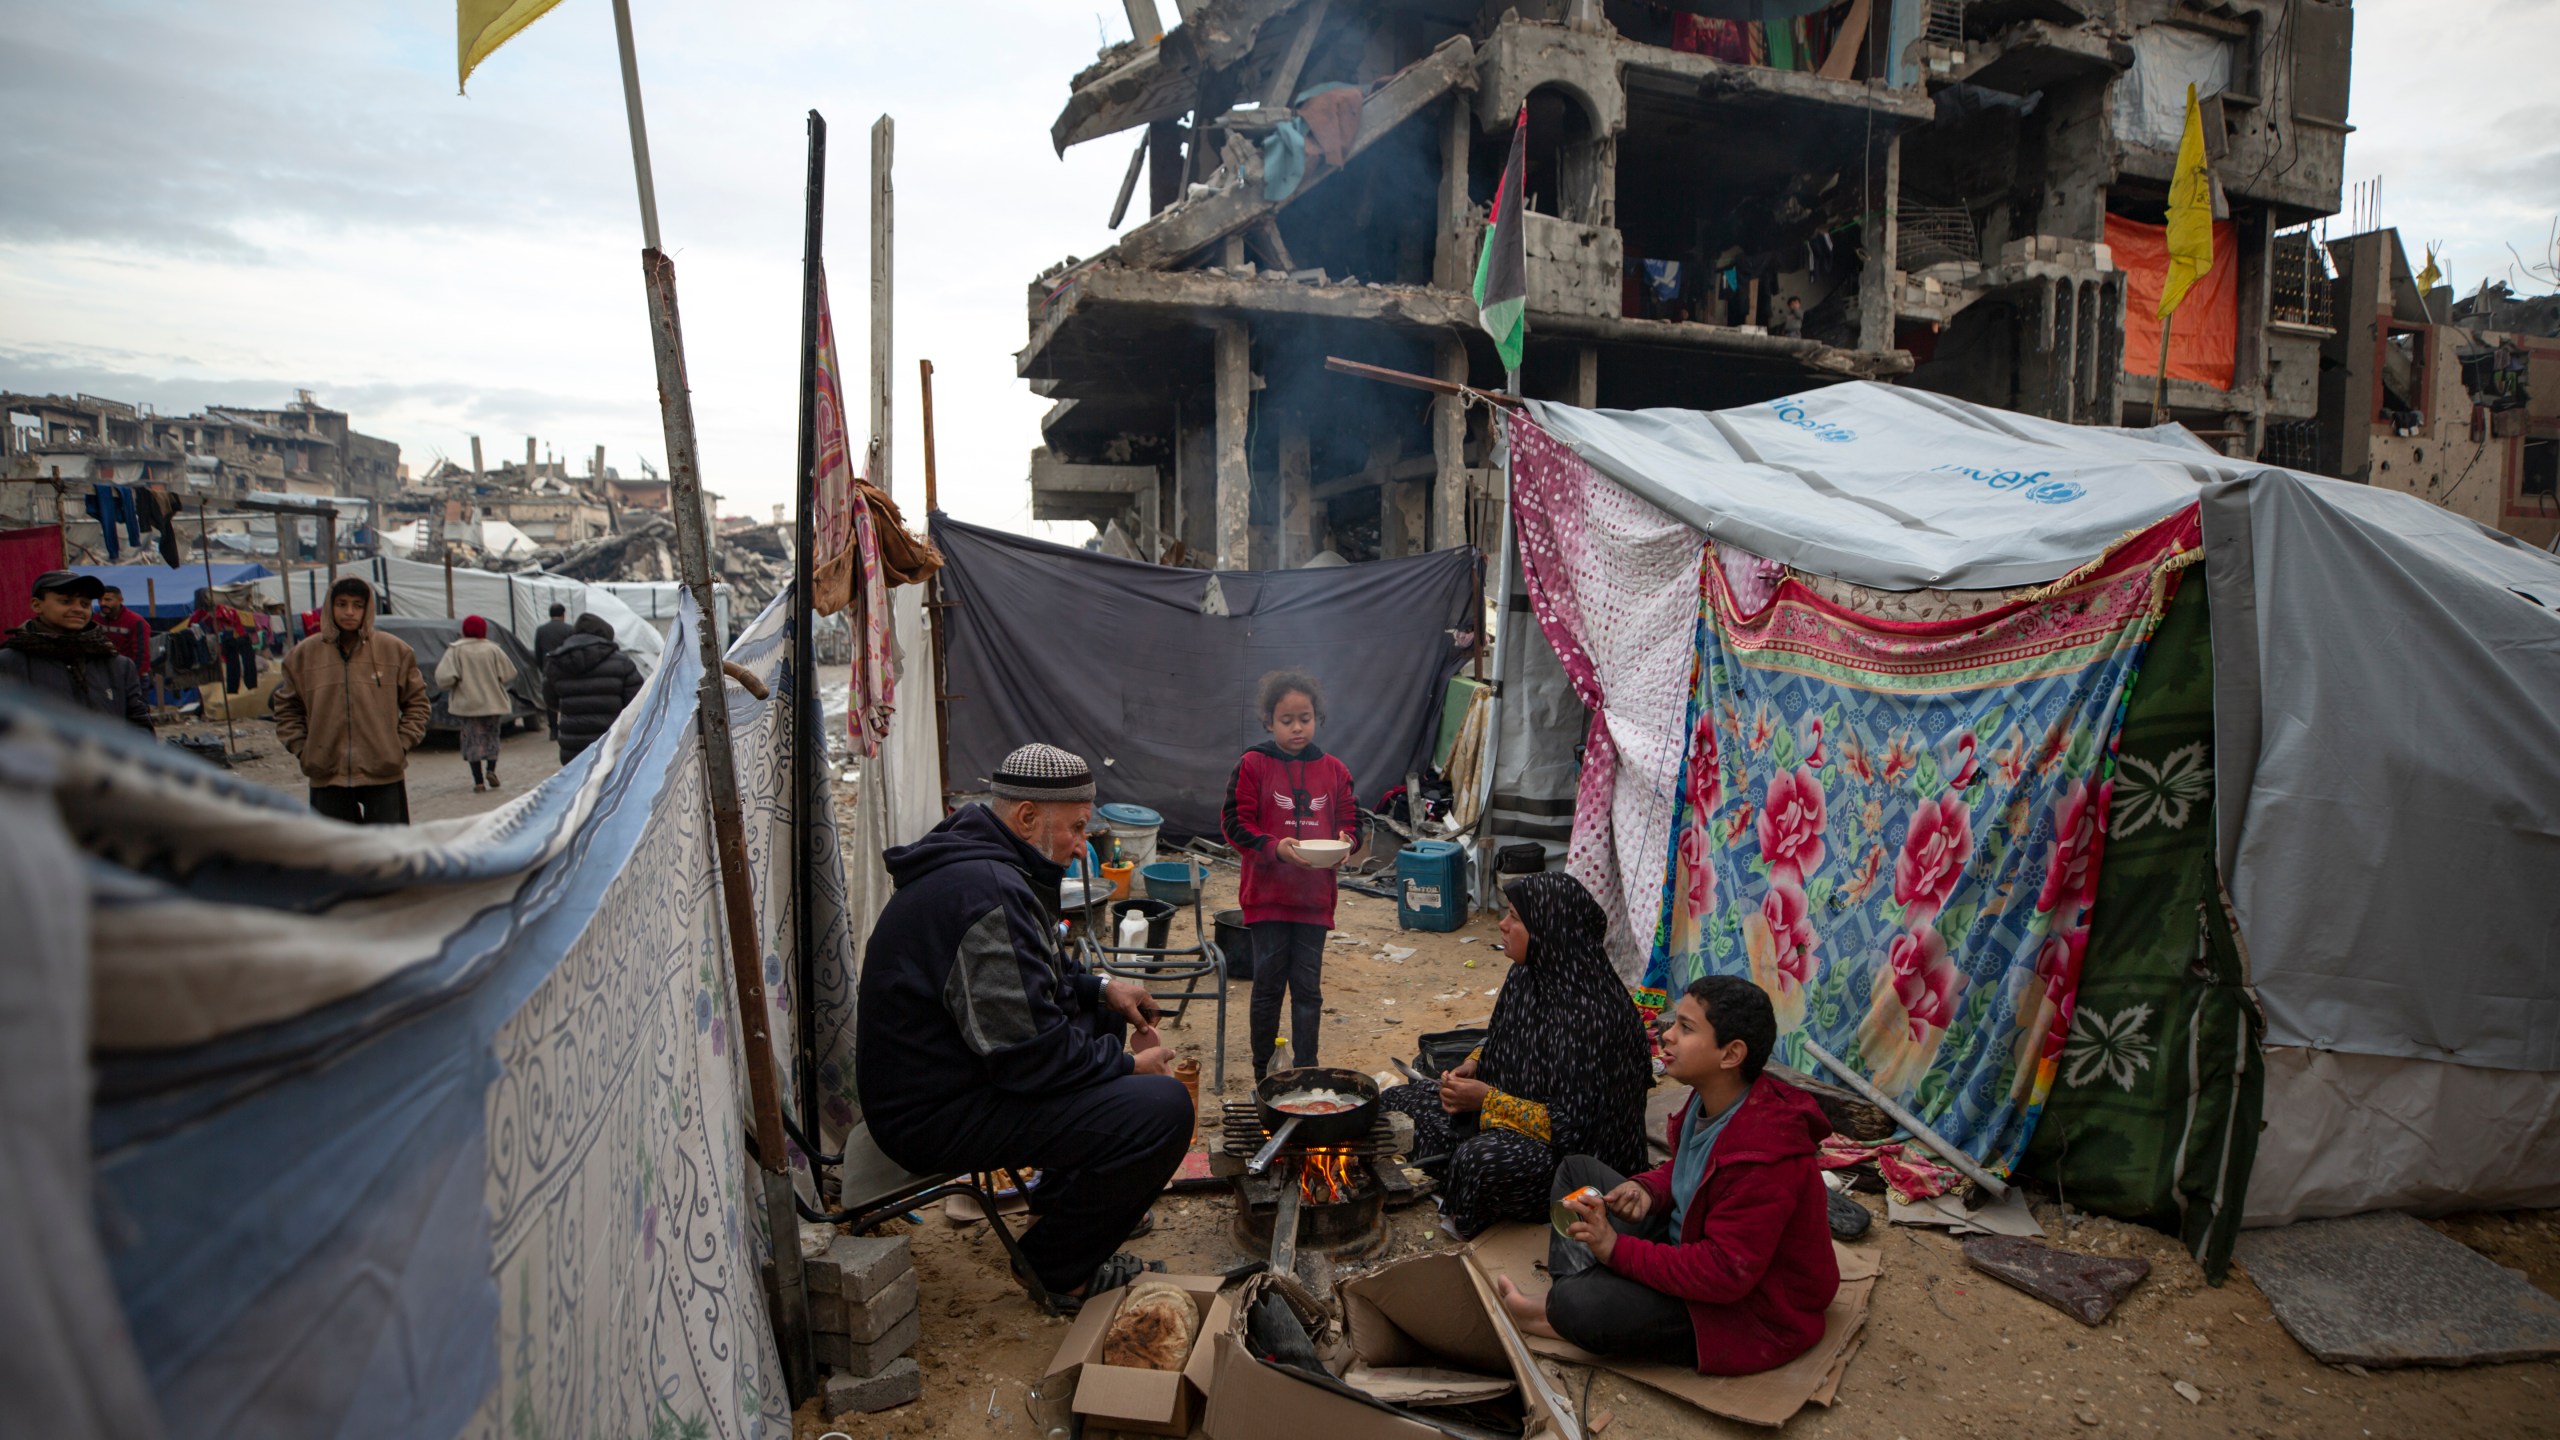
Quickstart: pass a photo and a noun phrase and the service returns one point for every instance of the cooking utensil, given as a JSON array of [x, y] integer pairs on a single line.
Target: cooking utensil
[[1340, 1128], [1261, 1160]]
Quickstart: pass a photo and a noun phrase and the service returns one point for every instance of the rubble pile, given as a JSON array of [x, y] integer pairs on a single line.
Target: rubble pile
[[754, 562]]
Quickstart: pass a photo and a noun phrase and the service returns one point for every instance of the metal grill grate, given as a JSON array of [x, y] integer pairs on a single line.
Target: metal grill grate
[[1927, 235], [1946, 22], [2301, 290], [1240, 1126], [2293, 444]]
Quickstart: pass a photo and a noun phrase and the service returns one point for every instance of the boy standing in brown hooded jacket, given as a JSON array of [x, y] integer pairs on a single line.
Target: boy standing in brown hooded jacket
[[351, 708]]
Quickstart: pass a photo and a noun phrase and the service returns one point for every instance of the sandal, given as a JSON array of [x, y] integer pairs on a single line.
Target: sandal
[[1112, 1274]]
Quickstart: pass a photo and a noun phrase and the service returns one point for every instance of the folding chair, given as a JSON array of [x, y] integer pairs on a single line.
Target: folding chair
[[875, 1189], [1186, 965]]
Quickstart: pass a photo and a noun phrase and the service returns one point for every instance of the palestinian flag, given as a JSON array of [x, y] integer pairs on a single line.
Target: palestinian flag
[[1502, 271]]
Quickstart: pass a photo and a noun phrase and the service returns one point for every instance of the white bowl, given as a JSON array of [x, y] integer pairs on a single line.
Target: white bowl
[[1325, 854]]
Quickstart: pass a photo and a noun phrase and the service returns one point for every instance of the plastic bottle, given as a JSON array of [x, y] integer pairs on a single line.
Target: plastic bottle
[[1133, 931]]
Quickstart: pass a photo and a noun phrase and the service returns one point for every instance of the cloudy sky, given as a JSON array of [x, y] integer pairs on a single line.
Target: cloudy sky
[[223, 203]]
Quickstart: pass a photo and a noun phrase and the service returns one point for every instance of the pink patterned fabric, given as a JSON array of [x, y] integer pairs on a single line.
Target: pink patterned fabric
[[1612, 581], [1753, 581]]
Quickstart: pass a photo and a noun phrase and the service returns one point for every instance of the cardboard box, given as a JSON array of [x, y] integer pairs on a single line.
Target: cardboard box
[[1150, 1402], [1435, 1312], [1768, 1398]]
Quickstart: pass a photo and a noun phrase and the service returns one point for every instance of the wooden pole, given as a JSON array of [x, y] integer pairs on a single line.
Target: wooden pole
[[719, 763], [934, 603], [884, 276], [808, 715], [2160, 380], [204, 524], [329, 520], [61, 531]]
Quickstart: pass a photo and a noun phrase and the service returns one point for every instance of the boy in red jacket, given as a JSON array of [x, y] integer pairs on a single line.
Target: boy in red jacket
[[1721, 1258], [1286, 790]]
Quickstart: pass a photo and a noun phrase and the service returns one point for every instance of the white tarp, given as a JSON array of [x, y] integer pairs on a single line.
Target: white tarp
[[1899, 489], [519, 602], [2151, 98]]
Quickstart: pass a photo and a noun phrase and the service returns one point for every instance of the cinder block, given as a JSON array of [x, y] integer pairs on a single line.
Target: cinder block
[[899, 1384], [865, 1320], [857, 1358], [860, 1266]]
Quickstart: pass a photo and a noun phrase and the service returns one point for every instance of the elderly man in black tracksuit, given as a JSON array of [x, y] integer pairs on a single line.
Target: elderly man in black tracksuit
[[982, 1044]]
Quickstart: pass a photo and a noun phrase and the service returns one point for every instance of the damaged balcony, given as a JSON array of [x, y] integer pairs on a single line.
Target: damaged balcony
[[2034, 55]]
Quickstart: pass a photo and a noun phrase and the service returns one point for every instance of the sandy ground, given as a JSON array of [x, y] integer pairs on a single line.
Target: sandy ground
[[1948, 1351], [439, 781]]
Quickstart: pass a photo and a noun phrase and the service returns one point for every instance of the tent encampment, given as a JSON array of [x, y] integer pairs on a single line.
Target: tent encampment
[[1149, 670], [516, 603], [2243, 794], [165, 594]]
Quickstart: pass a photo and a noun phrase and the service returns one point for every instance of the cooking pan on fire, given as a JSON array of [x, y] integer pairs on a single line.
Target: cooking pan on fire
[[1304, 1123]]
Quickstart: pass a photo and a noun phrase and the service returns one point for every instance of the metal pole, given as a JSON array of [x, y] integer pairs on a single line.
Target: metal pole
[[1945, 1148], [639, 148], [1500, 560], [934, 604], [719, 763], [448, 580], [329, 519], [808, 716]]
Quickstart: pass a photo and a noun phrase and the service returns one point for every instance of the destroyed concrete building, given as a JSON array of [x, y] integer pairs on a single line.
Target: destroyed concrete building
[[1947, 189], [2457, 403], [218, 455]]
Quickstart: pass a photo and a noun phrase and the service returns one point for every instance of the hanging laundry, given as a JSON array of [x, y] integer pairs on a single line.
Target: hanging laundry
[[112, 506], [1332, 115], [832, 502], [1662, 279], [1284, 160]]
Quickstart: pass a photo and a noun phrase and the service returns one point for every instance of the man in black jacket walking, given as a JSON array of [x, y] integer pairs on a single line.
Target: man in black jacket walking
[[587, 681], [546, 642], [64, 653], [982, 1044]]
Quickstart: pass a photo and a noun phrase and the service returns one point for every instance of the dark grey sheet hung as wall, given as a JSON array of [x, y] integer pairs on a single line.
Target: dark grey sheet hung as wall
[[1126, 664]]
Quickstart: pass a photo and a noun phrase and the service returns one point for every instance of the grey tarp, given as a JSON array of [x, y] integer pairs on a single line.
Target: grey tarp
[[1148, 671], [432, 635], [2387, 717], [1537, 760], [1894, 488]]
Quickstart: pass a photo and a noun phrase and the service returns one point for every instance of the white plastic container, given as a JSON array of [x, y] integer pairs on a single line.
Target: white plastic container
[[1136, 828]]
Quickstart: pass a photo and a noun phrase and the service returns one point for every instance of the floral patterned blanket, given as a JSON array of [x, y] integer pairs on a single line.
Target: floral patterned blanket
[[1895, 827]]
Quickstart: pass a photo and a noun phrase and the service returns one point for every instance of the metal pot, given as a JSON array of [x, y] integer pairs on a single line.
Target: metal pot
[[1312, 1130]]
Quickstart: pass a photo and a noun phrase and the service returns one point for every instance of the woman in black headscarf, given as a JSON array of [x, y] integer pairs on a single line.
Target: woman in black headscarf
[[1563, 1070]]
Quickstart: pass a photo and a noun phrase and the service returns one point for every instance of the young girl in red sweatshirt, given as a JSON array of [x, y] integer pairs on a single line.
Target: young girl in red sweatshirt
[[1286, 790]]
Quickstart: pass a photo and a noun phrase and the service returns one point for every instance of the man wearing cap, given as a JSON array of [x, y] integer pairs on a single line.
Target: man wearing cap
[[63, 653], [982, 1044]]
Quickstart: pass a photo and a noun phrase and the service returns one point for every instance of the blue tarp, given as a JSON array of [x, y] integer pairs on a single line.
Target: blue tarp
[[173, 589], [402, 1128]]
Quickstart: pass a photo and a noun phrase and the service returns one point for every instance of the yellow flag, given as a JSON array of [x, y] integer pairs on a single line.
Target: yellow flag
[[485, 25], [2428, 277], [2190, 213]]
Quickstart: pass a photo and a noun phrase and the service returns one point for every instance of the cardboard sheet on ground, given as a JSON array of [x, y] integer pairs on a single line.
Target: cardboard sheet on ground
[[2008, 1215], [1768, 1398]]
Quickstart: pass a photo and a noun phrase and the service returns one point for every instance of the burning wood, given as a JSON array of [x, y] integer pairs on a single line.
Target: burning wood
[[1328, 1177]]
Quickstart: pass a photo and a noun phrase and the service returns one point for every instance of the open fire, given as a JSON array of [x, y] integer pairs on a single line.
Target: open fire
[[1329, 1176]]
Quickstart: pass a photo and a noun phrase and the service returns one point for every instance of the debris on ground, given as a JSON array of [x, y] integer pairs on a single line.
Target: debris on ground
[[2086, 1287]]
